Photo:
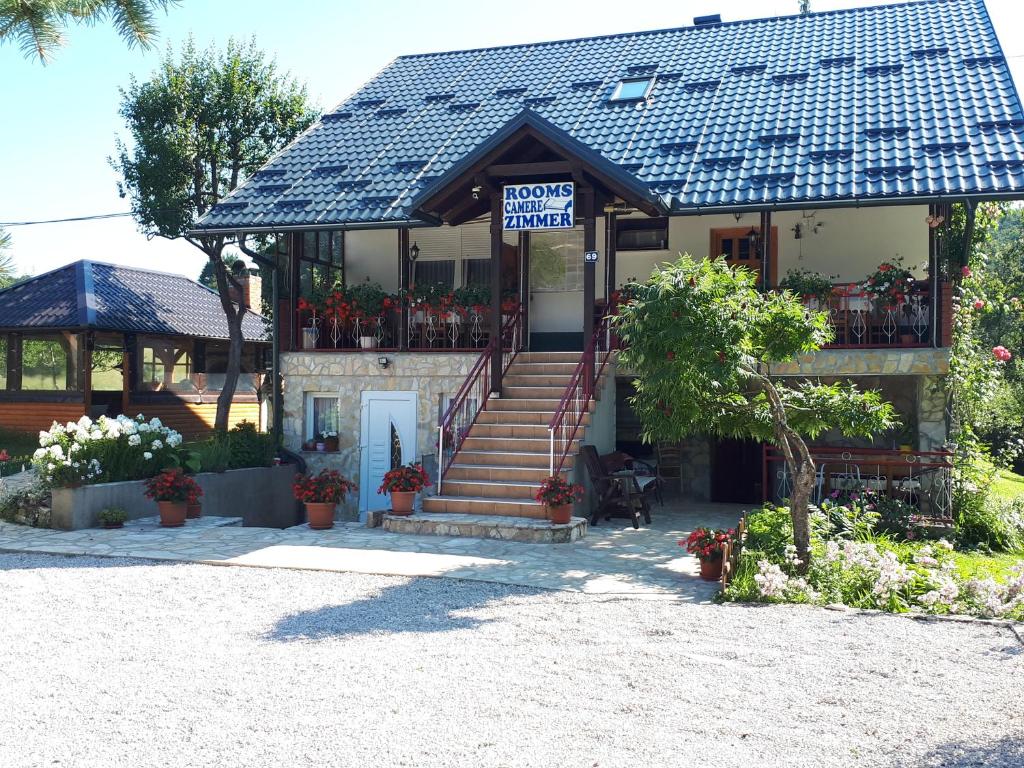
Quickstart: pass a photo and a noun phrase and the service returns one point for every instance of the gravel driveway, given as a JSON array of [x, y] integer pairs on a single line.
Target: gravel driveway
[[129, 663]]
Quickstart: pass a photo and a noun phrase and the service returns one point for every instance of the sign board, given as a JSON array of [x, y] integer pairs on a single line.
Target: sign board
[[590, 256], [538, 206]]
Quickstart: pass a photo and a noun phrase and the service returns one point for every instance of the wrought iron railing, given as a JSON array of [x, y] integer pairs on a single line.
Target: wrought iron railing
[[472, 396], [429, 329], [574, 405], [861, 322], [920, 478]]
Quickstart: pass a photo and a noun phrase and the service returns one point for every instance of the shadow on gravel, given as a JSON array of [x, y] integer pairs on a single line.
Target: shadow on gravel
[[1007, 752], [414, 606]]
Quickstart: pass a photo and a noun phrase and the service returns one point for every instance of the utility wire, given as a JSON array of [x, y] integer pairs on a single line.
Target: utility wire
[[94, 217]]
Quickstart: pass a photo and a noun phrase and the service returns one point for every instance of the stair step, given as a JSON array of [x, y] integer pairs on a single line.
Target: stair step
[[505, 458], [531, 369], [505, 528], [477, 505], [510, 444], [549, 357], [495, 473], [534, 431], [490, 489], [550, 405], [536, 380], [519, 417], [533, 393]]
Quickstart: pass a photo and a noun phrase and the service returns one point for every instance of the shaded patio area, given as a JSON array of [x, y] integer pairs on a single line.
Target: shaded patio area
[[612, 559]]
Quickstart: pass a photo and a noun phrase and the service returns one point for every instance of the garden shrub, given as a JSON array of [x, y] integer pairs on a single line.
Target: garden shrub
[[105, 451], [249, 447]]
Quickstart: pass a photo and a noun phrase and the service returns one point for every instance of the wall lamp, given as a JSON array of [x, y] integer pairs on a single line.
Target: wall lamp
[[414, 252], [383, 362]]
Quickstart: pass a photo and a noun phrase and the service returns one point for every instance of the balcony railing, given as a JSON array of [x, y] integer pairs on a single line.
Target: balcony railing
[[457, 330], [861, 322], [919, 478]]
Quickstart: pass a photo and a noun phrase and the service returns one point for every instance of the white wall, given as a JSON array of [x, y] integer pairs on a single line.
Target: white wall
[[850, 242]]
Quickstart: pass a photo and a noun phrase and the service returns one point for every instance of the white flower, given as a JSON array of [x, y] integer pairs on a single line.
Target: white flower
[[157, 445], [144, 427], [134, 440], [85, 422], [147, 455], [174, 439], [56, 451], [155, 423], [40, 453]]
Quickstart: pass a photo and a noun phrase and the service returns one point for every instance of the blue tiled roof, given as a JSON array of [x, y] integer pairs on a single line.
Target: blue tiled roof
[[913, 100], [89, 294]]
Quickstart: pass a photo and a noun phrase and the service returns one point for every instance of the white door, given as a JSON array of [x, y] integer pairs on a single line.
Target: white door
[[556, 282], [387, 440]]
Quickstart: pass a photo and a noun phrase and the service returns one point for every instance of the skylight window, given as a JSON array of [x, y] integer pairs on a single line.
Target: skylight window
[[632, 89]]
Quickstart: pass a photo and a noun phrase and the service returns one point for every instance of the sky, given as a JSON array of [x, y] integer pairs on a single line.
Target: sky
[[61, 120]]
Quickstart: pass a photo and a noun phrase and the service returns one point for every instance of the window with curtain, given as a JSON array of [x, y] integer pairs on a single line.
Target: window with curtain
[[323, 414], [556, 260], [433, 272], [641, 234], [476, 272]]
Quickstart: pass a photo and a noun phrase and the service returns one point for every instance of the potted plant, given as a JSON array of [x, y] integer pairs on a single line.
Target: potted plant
[[171, 490], [707, 545], [112, 517], [194, 508], [810, 286], [889, 285], [403, 483], [557, 495], [321, 494], [330, 438]]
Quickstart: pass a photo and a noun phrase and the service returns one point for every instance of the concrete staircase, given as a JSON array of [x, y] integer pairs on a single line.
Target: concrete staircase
[[506, 454]]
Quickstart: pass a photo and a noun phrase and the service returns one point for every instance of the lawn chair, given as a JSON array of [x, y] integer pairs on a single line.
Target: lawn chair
[[618, 495], [670, 464]]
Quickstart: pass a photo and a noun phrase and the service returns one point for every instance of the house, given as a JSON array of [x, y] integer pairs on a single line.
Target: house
[[93, 338], [508, 193]]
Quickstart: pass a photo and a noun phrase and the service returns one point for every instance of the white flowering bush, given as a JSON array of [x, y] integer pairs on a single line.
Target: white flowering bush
[[870, 572], [106, 450]]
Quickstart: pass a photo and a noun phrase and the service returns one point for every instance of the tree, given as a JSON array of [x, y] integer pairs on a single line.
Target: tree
[[701, 339], [208, 276], [7, 274], [199, 126], [38, 25]]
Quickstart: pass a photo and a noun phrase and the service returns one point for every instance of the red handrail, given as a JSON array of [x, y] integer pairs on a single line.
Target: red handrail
[[461, 413], [576, 399]]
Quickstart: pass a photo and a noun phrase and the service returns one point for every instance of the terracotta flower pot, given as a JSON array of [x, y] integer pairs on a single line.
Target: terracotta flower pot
[[194, 511], [711, 568], [331, 444], [172, 513], [320, 515], [402, 502], [560, 515]]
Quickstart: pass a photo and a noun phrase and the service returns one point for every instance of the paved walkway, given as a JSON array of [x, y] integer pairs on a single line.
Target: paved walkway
[[612, 559]]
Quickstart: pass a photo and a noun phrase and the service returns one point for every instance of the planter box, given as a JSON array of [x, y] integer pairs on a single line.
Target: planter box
[[259, 495]]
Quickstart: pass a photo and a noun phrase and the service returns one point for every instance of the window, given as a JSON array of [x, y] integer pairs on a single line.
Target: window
[[633, 89], [556, 260], [641, 234], [165, 366], [46, 364], [214, 363], [476, 272], [3, 361], [323, 414], [433, 272]]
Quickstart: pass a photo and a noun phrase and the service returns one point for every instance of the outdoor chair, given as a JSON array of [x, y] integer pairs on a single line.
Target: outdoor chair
[[646, 474], [618, 495], [670, 464]]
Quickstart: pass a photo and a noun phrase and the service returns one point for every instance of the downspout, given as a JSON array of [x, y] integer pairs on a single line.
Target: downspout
[[275, 334]]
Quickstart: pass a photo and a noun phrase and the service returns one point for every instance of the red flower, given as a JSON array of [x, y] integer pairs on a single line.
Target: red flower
[[411, 478], [979, 304], [1001, 353], [706, 543], [966, 272], [4, 455], [328, 487]]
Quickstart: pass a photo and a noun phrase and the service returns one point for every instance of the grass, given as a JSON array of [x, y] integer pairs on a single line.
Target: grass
[[1007, 484], [18, 445], [982, 566]]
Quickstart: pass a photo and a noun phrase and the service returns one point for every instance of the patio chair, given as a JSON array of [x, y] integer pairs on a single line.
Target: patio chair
[[618, 495], [670, 464], [646, 474]]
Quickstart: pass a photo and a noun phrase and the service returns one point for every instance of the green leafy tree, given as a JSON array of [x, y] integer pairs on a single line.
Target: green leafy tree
[[7, 273], [702, 338], [37, 26], [199, 126], [208, 275]]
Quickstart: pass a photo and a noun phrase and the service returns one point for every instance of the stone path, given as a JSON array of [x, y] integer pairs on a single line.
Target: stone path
[[612, 559]]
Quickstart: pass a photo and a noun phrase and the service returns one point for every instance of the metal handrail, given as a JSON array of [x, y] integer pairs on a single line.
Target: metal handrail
[[477, 380], [576, 398]]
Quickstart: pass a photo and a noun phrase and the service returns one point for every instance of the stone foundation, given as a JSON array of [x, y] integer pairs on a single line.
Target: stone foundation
[[487, 527]]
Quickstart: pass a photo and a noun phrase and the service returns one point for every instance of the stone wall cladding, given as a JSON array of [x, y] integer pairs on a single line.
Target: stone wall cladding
[[931, 412], [350, 374], [863, 362]]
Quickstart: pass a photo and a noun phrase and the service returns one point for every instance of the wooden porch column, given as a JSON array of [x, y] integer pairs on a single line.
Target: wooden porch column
[[88, 341], [589, 267], [524, 285], [610, 278], [496, 292], [403, 283], [766, 249]]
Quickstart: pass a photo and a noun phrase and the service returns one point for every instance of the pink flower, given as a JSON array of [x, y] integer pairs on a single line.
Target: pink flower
[[4, 455], [979, 304], [966, 272], [1001, 353]]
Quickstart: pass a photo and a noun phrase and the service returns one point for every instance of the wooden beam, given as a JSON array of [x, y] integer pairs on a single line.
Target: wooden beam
[[766, 249], [528, 169], [524, 284], [496, 243], [610, 280], [589, 267], [404, 285]]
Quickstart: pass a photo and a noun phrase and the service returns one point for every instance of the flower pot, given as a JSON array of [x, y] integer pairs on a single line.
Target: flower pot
[[331, 444], [907, 339], [711, 568], [560, 515], [320, 515], [310, 337], [321, 447], [172, 513], [193, 511], [367, 342], [402, 502]]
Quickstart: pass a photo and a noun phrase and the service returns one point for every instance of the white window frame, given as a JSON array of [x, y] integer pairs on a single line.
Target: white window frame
[[617, 93], [309, 397]]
